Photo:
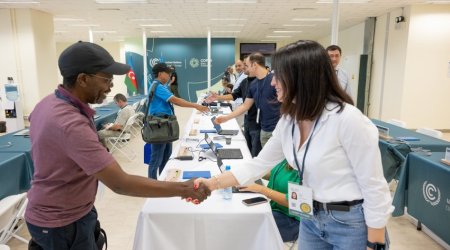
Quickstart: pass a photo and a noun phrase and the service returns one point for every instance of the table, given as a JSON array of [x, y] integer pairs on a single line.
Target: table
[[16, 165], [424, 188], [393, 152], [172, 223]]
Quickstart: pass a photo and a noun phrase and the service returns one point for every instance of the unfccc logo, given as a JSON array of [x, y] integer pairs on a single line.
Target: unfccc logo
[[194, 62], [431, 193], [154, 61]]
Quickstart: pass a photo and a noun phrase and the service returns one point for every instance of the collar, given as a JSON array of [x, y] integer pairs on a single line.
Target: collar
[[331, 108], [83, 107]]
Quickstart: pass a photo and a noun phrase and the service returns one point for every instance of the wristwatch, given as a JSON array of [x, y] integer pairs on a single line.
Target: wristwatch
[[376, 245]]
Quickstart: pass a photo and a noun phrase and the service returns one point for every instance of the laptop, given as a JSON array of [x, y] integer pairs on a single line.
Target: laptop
[[235, 189], [221, 131], [224, 153]]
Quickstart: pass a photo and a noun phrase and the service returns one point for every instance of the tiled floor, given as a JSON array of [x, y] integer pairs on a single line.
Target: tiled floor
[[118, 214]]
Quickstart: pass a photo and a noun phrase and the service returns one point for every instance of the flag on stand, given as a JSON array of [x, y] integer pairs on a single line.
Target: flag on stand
[[130, 79]]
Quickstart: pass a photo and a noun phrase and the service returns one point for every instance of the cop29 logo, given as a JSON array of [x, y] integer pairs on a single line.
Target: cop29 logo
[[154, 61], [431, 193], [194, 62]]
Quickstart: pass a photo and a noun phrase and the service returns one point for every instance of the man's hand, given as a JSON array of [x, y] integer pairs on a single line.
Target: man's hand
[[211, 98], [221, 119], [202, 108], [195, 192]]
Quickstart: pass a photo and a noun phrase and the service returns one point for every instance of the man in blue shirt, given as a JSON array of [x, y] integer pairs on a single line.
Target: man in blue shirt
[[162, 105], [263, 95]]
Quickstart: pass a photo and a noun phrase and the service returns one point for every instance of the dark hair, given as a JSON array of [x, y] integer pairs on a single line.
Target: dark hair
[[334, 47], [120, 97], [308, 80], [70, 81], [257, 58]]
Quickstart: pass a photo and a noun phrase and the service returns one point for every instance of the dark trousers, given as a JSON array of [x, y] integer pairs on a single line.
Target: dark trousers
[[253, 140], [78, 235], [287, 226], [160, 155]]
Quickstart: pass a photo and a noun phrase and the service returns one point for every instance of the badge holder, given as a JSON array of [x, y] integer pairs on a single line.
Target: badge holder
[[300, 201]]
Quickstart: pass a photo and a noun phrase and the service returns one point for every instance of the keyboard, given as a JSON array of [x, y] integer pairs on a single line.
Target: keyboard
[[229, 153]]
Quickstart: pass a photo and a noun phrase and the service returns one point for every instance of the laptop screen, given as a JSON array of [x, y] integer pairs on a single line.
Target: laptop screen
[[216, 126], [210, 142]]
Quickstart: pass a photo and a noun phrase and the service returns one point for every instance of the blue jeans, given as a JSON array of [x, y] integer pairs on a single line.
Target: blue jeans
[[253, 140], [334, 230], [287, 226], [78, 235], [160, 155]]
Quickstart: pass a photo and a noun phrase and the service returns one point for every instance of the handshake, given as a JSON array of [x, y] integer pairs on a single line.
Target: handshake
[[194, 192]]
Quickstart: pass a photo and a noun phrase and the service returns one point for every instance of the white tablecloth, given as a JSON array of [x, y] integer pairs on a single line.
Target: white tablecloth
[[172, 223]]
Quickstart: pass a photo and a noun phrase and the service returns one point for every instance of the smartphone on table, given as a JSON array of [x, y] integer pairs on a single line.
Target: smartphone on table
[[254, 201]]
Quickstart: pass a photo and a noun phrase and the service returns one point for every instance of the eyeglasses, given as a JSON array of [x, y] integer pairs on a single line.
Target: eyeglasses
[[108, 81]]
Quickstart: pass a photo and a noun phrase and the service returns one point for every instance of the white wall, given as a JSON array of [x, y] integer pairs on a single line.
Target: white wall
[[426, 99], [351, 41]]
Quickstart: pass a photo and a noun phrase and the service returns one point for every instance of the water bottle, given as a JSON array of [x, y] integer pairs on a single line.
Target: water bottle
[[227, 193]]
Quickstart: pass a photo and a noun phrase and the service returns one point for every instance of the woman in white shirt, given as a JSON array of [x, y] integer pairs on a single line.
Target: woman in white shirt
[[332, 145]]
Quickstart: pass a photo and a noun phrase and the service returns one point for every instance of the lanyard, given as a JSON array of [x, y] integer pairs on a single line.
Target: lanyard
[[61, 96], [306, 150]]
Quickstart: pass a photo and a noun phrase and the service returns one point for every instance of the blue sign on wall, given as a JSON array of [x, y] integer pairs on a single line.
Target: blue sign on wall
[[189, 56]]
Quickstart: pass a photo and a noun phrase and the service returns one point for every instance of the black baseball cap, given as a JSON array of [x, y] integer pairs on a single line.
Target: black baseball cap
[[161, 67], [89, 58]]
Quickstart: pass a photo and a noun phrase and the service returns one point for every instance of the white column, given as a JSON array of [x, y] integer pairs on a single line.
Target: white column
[[144, 56], [91, 35], [335, 23], [209, 59]]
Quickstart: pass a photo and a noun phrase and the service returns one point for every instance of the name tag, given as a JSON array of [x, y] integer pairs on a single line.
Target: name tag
[[300, 200], [257, 116]]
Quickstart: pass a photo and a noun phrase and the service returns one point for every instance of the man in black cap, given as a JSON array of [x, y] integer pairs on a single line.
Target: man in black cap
[[162, 105], [69, 159]]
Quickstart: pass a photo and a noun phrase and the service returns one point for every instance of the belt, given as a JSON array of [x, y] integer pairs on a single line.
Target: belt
[[337, 206]]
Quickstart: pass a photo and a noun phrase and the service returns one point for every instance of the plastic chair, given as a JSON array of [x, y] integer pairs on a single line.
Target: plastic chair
[[397, 123], [120, 143], [135, 106], [431, 132], [12, 209]]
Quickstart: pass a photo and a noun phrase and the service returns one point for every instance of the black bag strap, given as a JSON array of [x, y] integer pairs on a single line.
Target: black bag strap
[[150, 99]]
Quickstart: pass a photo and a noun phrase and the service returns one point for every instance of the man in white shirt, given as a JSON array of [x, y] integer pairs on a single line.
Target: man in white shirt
[[335, 53], [125, 112]]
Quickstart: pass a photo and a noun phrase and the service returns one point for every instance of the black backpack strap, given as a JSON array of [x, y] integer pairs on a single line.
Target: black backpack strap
[[150, 98]]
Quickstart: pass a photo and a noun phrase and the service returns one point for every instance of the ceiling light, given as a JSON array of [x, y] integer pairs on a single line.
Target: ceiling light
[[155, 25], [119, 1], [438, 2], [104, 31], [21, 2], [299, 25], [85, 25], [146, 19], [228, 19], [278, 36], [67, 19], [344, 1], [226, 31], [232, 1], [287, 31], [159, 31], [269, 40], [230, 25], [60, 31], [311, 19]]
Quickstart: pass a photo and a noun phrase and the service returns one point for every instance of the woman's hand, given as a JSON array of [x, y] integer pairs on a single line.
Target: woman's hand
[[255, 188]]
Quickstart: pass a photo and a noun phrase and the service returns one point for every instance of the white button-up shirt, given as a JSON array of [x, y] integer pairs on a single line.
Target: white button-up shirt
[[343, 162]]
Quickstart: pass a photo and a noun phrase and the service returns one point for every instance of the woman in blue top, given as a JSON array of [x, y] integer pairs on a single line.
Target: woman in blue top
[[162, 105]]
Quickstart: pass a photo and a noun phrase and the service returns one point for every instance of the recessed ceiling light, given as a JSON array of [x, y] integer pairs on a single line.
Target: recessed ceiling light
[[344, 1], [438, 2], [226, 31], [287, 31], [156, 25], [85, 25], [311, 19], [159, 31], [229, 25], [299, 25], [21, 2], [119, 1], [278, 36], [232, 1], [67, 19], [104, 31], [228, 19], [146, 19]]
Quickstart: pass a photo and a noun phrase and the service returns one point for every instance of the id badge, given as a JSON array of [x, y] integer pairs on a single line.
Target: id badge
[[257, 116], [300, 200]]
